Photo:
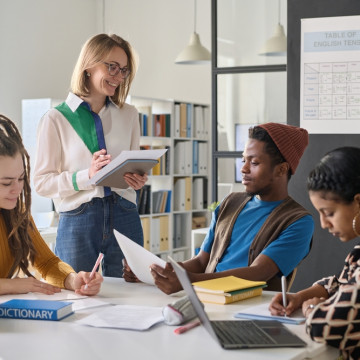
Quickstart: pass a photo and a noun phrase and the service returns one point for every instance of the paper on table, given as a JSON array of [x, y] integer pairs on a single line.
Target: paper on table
[[138, 258], [61, 296], [261, 312], [87, 303], [130, 317]]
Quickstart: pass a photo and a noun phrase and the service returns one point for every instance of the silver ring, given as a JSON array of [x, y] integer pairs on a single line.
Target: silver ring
[[311, 306]]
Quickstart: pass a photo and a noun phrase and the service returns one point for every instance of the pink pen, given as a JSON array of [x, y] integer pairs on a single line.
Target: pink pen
[[182, 329], [101, 255]]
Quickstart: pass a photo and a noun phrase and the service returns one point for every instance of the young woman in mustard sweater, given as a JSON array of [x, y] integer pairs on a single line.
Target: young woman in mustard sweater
[[21, 245]]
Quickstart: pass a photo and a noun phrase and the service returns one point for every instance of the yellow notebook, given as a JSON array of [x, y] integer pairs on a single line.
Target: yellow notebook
[[226, 284], [229, 298]]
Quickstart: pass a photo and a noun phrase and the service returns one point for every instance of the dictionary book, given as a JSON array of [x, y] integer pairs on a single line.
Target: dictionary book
[[35, 309]]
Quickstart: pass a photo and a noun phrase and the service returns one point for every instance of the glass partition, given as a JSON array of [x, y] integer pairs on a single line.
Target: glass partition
[[229, 176], [247, 99], [243, 27]]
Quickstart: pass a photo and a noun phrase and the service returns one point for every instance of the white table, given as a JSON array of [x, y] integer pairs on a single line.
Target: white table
[[65, 340]]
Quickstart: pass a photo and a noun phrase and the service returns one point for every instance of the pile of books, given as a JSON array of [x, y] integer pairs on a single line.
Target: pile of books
[[227, 289]]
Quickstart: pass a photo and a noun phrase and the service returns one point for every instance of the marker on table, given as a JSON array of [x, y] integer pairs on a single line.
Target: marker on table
[[101, 255], [187, 327], [283, 290]]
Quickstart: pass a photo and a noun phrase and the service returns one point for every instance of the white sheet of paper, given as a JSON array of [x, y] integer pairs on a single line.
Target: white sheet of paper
[[138, 258], [261, 312], [130, 317], [64, 295], [89, 302]]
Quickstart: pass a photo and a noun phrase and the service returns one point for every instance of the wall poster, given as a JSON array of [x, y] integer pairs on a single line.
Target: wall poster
[[330, 75]]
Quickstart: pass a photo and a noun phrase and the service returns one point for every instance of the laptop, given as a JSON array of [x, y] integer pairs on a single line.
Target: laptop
[[239, 334]]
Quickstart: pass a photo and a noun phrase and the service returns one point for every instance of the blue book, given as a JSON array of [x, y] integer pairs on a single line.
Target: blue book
[[189, 111], [145, 132], [35, 309], [168, 202], [195, 157]]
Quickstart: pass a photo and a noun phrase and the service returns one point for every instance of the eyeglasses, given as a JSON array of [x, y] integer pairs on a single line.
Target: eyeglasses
[[115, 69]]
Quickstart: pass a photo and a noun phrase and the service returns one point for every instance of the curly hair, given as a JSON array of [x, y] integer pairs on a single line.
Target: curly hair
[[17, 220], [260, 134], [337, 175]]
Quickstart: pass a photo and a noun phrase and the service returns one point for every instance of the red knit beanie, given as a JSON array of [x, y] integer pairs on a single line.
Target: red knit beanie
[[290, 140]]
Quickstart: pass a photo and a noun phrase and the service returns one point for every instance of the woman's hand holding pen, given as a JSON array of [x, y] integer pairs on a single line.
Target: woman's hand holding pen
[[98, 161], [77, 282], [302, 299], [277, 308]]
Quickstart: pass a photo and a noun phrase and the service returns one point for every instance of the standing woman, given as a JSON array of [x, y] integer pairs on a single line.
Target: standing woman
[[75, 140], [332, 304], [21, 245]]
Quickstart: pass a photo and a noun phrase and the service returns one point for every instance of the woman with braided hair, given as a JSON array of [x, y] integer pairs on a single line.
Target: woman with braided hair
[[21, 245], [331, 306]]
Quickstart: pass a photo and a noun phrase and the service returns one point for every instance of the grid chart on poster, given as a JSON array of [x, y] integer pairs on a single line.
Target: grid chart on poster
[[331, 91]]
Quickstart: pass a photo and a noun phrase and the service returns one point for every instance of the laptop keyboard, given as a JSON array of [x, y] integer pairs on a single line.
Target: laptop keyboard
[[240, 332]]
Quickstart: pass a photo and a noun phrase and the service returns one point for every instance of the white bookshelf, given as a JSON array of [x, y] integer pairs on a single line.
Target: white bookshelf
[[186, 134]]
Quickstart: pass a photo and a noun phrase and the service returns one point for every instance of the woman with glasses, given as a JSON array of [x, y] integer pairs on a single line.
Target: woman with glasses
[[75, 140], [331, 305]]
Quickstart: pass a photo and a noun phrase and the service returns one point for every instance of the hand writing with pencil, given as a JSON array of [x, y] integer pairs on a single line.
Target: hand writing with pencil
[[84, 283], [78, 281]]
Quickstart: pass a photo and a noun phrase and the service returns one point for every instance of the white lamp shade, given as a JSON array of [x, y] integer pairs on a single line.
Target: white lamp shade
[[194, 53], [276, 45]]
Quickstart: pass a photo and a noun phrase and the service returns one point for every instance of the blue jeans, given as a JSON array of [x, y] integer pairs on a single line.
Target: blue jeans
[[88, 230]]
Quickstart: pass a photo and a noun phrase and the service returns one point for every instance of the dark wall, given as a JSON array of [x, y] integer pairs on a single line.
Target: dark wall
[[328, 253]]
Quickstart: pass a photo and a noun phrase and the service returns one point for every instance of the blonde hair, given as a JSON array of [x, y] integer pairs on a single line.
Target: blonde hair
[[92, 53], [17, 220]]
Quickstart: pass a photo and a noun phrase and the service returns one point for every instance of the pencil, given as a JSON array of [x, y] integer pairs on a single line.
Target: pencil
[[101, 255], [187, 327]]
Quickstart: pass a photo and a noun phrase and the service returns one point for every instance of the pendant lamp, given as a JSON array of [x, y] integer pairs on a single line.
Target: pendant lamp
[[194, 53], [277, 44]]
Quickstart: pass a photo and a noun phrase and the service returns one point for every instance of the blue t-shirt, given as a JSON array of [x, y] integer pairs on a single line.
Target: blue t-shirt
[[292, 245]]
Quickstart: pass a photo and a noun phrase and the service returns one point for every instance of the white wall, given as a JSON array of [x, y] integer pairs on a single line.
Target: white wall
[[40, 41], [159, 30]]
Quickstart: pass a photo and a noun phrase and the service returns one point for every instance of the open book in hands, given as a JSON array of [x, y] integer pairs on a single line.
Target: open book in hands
[[129, 161]]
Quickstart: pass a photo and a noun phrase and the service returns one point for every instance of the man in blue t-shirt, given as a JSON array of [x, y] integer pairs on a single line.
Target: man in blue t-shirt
[[266, 234]]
